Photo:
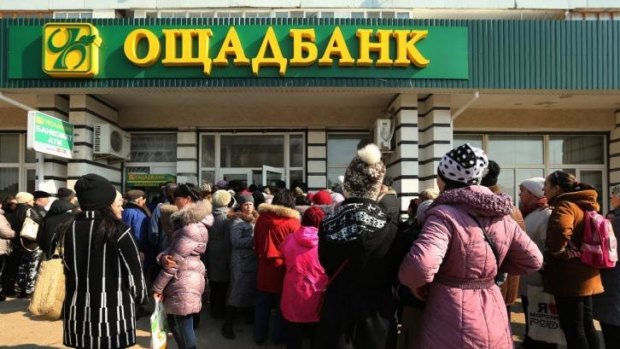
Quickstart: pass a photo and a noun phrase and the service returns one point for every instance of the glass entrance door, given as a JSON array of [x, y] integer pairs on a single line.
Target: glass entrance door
[[272, 174], [236, 177]]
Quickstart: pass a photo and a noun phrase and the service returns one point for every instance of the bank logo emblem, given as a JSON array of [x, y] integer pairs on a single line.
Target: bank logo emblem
[[71, 50]]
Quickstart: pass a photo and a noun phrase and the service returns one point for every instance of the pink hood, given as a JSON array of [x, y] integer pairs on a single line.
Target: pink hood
[[307, 236], [305, 278]]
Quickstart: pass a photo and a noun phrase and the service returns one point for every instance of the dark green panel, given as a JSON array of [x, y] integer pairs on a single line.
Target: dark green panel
[[543, 55], [446, 61]]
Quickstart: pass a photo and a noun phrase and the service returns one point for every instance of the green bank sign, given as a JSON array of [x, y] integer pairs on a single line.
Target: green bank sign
[[119, 50], [149, 180], [49, 135]]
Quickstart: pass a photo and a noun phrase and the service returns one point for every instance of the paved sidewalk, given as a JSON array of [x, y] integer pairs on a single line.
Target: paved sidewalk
[[19, 330]]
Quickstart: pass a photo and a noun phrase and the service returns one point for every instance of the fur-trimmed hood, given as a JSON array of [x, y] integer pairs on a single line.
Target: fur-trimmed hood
[[477, 200], [195, 212], [279, 211]]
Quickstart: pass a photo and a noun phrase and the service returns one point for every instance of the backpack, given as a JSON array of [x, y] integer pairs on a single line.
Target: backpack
[[599, 248]]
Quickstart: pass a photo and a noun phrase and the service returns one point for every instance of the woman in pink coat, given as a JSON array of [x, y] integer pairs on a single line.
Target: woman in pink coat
[[181, 281], [304, 279], [452, 266]]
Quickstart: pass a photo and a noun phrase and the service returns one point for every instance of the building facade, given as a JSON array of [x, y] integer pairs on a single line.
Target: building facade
[[170, 90]]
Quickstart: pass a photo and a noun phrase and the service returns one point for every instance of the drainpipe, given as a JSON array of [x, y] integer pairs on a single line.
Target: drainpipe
[[471, 101], [40, 170]]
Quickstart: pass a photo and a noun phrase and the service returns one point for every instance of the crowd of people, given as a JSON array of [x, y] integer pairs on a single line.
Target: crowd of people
[[333, 268]]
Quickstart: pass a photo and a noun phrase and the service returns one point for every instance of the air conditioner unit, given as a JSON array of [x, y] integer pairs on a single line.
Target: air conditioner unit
[[382, 134], [111, 141]]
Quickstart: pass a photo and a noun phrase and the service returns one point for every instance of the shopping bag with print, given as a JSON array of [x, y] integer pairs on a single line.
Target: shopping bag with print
[[159, 328], [544, 322]]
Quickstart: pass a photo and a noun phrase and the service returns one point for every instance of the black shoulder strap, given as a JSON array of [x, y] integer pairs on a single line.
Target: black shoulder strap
[[487, 239]]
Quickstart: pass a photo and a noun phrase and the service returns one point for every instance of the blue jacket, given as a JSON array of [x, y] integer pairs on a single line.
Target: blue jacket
[[137, 219]]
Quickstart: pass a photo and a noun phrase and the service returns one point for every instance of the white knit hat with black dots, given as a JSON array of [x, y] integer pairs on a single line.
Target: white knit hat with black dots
[[464, 164]]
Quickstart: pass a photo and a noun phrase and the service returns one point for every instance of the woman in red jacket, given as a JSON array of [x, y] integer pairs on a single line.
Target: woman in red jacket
[[276, 221]]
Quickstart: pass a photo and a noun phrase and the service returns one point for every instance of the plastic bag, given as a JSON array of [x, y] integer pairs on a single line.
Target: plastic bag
[[544, 322], [159, 327]]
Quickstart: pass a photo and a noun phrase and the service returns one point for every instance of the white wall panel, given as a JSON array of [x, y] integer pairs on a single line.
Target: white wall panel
[[317, 152], [317, 181]]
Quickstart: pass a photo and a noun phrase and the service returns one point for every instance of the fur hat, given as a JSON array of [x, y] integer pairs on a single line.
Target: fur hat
[[322, 198], [221, 198], [490, 179], [534, 185], [187, 190], [94, 192], [464, 165], [23, 197], [65, 194], [365, 173], [313, 217]]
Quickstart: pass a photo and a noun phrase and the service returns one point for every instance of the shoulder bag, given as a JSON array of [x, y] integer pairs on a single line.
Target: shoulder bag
[[30, 228], [49, 290], [500, 278]]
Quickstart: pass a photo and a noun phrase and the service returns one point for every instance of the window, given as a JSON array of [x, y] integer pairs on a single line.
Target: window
[[242, 156], [153, 147], [524, 156], [341, 148], [17, 165], [152, 154], [73, 14]]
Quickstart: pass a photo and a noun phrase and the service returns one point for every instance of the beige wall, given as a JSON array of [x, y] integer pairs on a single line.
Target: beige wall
[[13, 119], [519, 120], [249, 117]]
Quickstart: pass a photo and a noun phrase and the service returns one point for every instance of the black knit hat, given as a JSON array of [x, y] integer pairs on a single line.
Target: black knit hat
[[490, 179], [94, 192], [65, 194]]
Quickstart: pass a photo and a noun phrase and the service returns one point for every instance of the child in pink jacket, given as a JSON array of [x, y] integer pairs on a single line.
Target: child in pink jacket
[[304, 279]]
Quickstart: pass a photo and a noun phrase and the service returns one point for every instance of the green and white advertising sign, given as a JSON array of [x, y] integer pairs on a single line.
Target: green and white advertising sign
[[49, 135]]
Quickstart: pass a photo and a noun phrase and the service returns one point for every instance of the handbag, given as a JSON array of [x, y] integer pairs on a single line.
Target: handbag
[[159, 328], [49, 290], [542, 317], [30, 228]]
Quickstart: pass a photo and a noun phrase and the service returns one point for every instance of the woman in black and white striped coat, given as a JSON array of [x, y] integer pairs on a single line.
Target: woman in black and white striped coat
[[104, 279]]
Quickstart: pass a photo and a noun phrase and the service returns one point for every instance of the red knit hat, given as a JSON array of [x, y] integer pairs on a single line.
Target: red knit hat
[[322, 198], [313, 217]]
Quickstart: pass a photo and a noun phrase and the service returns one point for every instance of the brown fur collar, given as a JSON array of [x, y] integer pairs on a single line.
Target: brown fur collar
[[168, 209], [250, 218], [279, 211], [192, 213]]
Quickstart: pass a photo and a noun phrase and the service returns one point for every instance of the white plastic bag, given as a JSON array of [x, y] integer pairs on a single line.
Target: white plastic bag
[[543, 319], [159, 327]]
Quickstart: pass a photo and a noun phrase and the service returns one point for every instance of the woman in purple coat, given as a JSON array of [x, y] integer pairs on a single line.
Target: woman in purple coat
[[181, 281], [452, 266]]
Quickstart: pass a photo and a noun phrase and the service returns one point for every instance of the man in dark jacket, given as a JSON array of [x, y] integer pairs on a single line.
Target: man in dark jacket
[[41, 199], [389, 199], [56, 221], [354, 250]]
